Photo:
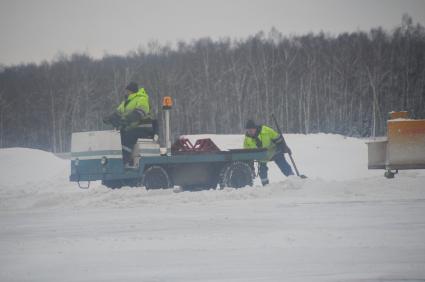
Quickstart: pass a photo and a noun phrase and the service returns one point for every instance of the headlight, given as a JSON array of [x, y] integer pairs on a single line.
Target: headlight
[[76, 162], [104, 161]]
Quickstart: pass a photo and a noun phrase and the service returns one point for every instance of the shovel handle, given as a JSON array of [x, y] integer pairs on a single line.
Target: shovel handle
[[290, 154]]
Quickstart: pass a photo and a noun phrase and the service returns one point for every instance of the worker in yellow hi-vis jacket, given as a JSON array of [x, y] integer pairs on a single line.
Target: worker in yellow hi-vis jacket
[[133, 118], [261, 136]]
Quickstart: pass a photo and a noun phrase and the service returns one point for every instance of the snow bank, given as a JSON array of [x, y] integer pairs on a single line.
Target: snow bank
[[22, 166]]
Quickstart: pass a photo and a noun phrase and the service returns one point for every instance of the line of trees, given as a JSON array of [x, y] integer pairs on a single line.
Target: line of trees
[[313, 83]]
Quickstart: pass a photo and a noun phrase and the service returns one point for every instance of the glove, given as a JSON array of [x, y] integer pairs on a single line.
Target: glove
[[109, 118]]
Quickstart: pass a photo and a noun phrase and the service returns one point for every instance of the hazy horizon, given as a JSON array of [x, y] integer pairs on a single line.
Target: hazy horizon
[[34, 31]]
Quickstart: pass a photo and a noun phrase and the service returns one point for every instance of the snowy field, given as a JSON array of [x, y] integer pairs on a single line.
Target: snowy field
[[344, 223]]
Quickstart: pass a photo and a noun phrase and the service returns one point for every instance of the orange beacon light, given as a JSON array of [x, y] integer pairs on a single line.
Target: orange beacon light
[[167, 102]]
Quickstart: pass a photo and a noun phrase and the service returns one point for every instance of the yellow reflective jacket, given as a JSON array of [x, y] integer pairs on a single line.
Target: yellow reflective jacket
[[265, 138], [136, 101]]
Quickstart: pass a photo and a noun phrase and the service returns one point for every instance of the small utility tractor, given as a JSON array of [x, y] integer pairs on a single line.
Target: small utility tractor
[[97, 155]]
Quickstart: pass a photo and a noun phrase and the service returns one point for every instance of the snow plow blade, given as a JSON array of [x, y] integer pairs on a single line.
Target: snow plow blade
[[402, 148]]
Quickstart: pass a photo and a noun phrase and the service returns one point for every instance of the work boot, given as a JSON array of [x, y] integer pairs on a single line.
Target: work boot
[[265, 181], [130, 164]]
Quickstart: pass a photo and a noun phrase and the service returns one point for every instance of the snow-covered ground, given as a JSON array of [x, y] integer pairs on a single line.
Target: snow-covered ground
[[344, 223]]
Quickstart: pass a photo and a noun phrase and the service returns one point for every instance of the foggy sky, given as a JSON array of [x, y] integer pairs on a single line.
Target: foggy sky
[[36, 30]]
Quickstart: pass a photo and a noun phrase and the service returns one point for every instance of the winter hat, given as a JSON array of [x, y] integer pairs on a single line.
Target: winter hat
[[250, 124], [133, 87]]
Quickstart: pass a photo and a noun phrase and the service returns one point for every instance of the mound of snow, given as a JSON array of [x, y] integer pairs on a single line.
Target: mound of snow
[[22, 166]]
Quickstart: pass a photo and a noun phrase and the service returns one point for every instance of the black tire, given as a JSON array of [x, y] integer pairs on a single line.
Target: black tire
[[119, 183], [156, 177], [236, 175], [389, 174]]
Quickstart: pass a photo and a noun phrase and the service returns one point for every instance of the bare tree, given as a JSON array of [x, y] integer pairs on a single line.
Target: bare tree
[[313, 83]]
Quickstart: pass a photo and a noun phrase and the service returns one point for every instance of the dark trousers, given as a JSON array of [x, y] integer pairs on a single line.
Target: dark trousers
[[281, 162], [129, 138]]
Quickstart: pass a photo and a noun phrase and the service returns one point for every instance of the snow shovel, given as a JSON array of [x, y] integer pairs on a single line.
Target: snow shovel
[[290, 153]]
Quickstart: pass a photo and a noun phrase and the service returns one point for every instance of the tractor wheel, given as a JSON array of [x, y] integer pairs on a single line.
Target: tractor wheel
[[236, 175], [156, 177]]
